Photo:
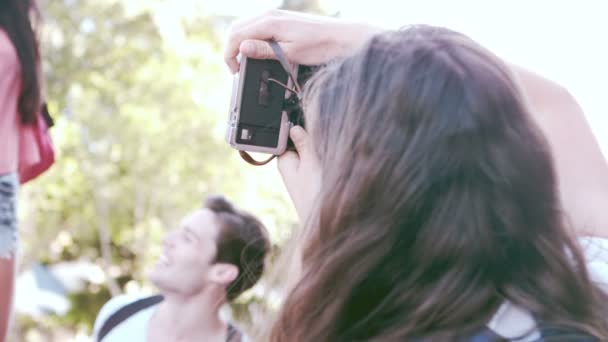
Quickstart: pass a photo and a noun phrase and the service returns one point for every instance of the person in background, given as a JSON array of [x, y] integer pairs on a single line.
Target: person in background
[[216, 254], [440, 190], [20, 102]]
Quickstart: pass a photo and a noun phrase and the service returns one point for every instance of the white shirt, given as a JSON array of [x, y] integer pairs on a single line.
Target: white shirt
[[517, 325], [133, 329]]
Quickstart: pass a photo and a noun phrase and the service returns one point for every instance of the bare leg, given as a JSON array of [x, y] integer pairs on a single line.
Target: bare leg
[[7, 287]]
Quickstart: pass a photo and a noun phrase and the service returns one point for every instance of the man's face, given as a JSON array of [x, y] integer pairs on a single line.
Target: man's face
[[186, 263]]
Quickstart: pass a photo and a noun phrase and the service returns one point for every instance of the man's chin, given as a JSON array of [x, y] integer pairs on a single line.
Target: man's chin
[[157, 278]]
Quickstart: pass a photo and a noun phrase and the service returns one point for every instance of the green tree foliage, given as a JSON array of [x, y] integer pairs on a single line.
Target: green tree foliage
[[140, 106], [311, 6]]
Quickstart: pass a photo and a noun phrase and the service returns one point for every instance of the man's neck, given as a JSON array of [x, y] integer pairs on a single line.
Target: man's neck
[[185, 318]]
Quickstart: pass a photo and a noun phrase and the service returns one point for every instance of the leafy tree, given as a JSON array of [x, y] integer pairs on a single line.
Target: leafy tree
[[140, 100], [139, 138]]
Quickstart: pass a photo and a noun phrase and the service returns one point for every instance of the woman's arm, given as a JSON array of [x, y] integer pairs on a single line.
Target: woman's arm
[[305, 39], [7, 289], [581, 168]]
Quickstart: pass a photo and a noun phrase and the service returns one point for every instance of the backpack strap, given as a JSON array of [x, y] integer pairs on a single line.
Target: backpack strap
[[125, 312], [48, 119], [234, 335]]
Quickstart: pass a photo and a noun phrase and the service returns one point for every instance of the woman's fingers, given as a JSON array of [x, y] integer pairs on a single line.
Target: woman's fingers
[[290, 163], [258, 49], [266, 28], [300, 172], [301, 140]]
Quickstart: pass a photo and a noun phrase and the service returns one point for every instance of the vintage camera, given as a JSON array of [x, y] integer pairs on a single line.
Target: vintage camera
[[265, 105]]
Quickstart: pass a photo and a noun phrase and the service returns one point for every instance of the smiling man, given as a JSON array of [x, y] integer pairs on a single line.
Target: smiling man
[[217, 253]]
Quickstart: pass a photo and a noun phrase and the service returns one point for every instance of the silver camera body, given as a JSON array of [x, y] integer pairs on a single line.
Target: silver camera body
[[260, 108]]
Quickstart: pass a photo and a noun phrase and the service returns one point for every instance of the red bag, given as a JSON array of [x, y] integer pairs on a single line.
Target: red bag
[[46, 150]]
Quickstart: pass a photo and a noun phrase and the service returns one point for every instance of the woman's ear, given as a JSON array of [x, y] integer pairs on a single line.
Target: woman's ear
[[224, 274]]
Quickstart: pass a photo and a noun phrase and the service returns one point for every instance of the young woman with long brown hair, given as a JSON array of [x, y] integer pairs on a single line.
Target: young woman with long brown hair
[[428, 182], [20, 101]]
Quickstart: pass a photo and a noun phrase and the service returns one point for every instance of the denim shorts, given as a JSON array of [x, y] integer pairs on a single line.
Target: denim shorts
[[9, 187]]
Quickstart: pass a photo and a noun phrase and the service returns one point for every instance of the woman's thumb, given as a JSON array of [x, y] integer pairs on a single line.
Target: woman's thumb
[[300, 139], [257, 49]]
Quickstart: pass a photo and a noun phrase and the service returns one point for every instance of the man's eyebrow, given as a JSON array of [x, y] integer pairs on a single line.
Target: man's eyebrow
[[191, 232]]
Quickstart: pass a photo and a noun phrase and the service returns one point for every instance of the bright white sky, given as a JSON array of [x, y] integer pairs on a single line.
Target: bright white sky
[[566, 41]]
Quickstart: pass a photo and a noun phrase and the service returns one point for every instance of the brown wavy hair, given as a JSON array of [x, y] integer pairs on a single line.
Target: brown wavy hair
[[242, 241], [17, 19], [438, 203]]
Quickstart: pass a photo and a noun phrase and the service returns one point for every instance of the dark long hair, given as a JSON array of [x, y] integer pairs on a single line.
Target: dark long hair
[[438, 202], [16, 20]]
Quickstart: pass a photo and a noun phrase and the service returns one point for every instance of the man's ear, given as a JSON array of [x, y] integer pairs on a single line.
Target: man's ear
[[224, 274]]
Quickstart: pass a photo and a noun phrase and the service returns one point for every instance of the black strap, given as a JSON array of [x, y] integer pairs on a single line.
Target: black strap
[[280, 55], [125, 312], [234, 335], [48, 119]]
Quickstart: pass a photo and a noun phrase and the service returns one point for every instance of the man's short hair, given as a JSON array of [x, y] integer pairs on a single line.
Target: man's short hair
[[242, 241]]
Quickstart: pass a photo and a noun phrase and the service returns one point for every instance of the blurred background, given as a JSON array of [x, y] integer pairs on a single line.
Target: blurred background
[[140, 96]]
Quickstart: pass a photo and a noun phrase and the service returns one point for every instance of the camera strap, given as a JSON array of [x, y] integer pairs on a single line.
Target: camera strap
[[248, 158], [280, 55]]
